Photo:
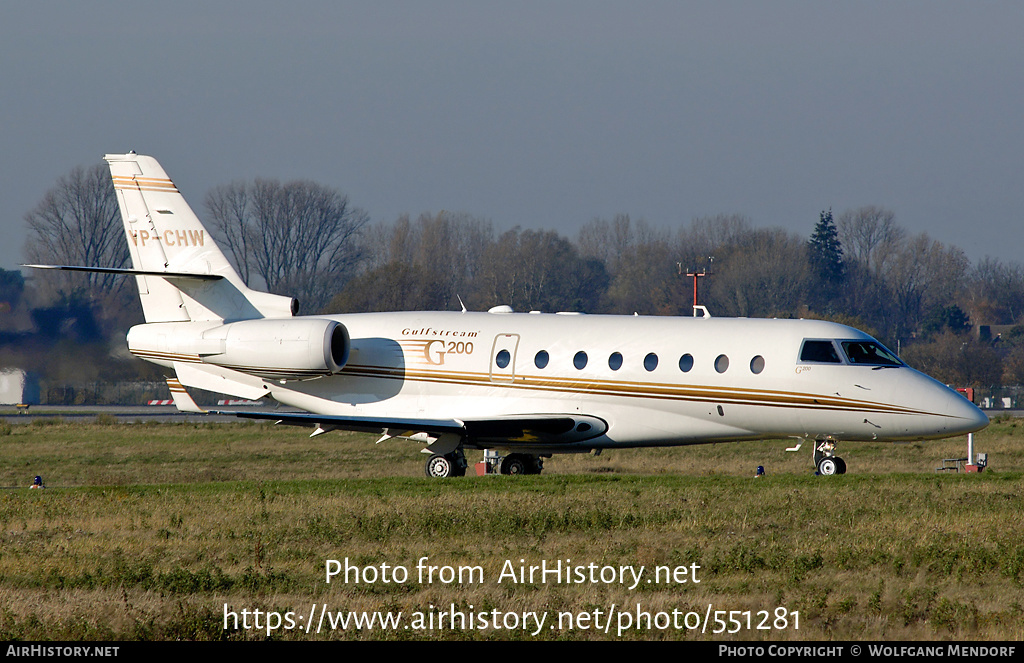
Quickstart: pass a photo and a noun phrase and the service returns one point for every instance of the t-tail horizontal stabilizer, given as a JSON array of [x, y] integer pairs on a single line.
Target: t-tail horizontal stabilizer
[[130, 272]]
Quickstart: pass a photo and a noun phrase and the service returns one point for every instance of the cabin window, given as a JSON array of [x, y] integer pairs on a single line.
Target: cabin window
[[541, 360], [615, 361], [686, 363], [722, 364], [502, 359], [869, 353], [757, 364], [821, 352], [651, 362], [580, 360]]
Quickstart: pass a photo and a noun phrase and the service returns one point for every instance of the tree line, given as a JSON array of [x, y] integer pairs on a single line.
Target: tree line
[[860, 267]]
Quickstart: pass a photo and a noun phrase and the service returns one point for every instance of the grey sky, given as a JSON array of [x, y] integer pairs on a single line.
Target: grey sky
[[540, 114]]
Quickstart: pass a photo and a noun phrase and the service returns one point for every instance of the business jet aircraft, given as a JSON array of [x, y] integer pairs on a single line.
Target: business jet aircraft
[[527, 384]]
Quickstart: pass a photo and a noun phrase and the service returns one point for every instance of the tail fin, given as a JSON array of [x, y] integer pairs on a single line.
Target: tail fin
[[166, 237]]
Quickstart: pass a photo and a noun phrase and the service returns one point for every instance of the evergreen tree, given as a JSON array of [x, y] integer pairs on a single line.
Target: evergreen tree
[[826, 252], [825, 255], [942, 318]]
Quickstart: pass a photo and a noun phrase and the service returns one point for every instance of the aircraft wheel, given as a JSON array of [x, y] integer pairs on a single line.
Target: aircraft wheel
[[439, 467], [442, 467], [514, 464], [828, 466], [840, 465]]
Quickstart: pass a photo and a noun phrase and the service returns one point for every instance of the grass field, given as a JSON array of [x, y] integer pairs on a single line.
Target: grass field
[[147, 531]]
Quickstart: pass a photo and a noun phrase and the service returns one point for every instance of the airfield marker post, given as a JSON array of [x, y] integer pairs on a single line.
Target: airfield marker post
[[982, 459]]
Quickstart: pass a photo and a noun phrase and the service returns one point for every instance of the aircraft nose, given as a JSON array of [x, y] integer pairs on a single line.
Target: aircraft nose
[[945, 412], [962, 415], [965, 416]]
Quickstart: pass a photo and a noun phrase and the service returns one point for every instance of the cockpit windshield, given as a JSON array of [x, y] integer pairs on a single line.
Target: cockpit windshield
[[869, 353], [820, 352]]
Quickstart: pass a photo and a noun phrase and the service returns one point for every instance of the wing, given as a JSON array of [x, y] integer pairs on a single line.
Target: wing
[[535, 432], [396, 427]]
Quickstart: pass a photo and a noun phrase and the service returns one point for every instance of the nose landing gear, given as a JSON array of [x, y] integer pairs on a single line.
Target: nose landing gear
[[825, 460]]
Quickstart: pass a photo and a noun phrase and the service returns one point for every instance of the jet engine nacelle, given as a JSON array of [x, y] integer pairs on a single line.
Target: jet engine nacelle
[[272, 348], [282, 348]]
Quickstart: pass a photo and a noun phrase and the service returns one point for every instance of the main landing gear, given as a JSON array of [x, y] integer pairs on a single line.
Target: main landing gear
[[521, 464], [825, 460], [449, 465], [454, 464]]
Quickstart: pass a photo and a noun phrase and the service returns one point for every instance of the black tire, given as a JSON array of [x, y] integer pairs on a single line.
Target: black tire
[[828, 466], [840, 466], [514, 464], [440, 467]]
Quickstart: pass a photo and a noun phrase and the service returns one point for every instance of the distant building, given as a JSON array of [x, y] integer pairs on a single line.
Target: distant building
[[993, 333]]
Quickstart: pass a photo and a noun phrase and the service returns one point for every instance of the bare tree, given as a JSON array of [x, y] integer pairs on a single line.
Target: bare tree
[[708, 233], [921, 274], [995, 292], [866, 232], [605, 240], [646, 280], [395, 286], [229, 208], [298, 237], [539, 270], [760, 273], [957, 359], [78, 223], [459, 237], [614, 242]]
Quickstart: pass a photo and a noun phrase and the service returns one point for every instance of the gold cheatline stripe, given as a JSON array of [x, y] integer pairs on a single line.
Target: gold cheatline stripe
[[259, 370], [144, 188], [149, 354], [637, 390], [613, 385], [607, 384], [144, 183]]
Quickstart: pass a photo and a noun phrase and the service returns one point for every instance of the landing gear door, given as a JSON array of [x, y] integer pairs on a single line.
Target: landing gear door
[[503, 358]]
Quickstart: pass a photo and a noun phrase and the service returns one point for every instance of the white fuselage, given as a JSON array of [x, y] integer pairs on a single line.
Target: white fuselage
[[744, 378]]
